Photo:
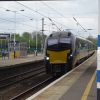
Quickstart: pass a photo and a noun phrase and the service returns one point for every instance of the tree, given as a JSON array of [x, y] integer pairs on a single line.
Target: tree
[[94, 40], [17, 37], [30, 39], [25, 37]]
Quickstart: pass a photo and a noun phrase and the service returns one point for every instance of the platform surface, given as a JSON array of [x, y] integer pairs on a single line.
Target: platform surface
[[76, 92], [79, 84], [29, 58]]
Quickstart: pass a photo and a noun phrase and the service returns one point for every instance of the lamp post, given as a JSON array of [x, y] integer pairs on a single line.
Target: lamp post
[[36, 41], [29, 43], [36, 21], [32, 34], [36, 37], [42, 39], [14, 40], [89, 30]]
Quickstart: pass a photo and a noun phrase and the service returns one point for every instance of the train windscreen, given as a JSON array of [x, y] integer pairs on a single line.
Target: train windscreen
[[52, 42], [65, 40], [59, 43]]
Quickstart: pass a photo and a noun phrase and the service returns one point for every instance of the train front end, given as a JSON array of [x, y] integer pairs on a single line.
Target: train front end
[[58, 50]]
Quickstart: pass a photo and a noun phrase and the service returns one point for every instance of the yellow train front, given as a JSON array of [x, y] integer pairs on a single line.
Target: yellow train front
[[63, 51]]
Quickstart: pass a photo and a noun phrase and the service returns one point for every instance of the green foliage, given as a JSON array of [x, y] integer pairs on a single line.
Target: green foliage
[[94, 40]]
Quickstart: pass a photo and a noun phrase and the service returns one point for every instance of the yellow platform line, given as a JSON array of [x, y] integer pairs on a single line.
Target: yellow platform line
[[88, 87]]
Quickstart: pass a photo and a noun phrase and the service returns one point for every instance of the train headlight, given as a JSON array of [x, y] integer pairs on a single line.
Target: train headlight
[[71, 55], [47, 58]]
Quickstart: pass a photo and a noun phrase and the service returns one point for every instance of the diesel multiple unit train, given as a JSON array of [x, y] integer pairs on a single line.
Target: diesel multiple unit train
[[64, 50]]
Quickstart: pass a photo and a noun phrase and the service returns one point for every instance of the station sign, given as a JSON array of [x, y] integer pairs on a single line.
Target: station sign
[[4, 36]]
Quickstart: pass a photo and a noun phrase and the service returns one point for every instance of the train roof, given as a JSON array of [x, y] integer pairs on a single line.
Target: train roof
[[83, 38], [58, 33]]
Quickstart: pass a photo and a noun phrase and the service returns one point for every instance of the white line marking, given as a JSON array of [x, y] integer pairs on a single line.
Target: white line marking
[[98, 85]]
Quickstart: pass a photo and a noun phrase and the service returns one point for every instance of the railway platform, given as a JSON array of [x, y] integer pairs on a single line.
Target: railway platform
[[78, 84], [28, 58]]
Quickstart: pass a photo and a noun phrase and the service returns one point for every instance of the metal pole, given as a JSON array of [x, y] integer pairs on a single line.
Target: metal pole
[[9, 39], [42, 41], [36, 39], [32, 34], [14, 41], [29, 43], [14, 35], [1, 44], [36, 43]]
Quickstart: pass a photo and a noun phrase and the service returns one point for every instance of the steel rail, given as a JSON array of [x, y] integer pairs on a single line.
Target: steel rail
[[30, 89], [22, 76]]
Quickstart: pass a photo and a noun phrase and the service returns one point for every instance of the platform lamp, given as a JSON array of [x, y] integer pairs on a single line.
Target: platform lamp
[[31, 35], [14, 11], [36, 35], [89, 30]]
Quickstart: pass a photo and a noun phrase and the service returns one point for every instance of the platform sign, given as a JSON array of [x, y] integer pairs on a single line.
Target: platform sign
[[4, 36]]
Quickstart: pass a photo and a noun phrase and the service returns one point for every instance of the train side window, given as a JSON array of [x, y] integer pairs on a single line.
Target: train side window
[[84, 45]]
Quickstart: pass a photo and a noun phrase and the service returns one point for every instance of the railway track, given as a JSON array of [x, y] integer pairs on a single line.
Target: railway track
[[19, 68], [13, 78], [19, 73], [20, 77], [24, 94]]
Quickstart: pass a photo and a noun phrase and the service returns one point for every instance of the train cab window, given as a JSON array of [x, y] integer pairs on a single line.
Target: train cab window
[[59, 42], [65, 40], [52, 42], [65, 43]]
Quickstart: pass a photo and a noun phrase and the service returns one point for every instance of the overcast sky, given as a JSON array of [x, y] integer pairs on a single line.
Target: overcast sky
[[61, 12]]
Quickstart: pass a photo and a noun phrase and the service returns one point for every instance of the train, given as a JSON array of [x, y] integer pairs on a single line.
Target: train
[[64, 50]]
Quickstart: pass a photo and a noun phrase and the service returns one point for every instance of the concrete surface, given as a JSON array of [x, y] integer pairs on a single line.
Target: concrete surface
[[29, 58]]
